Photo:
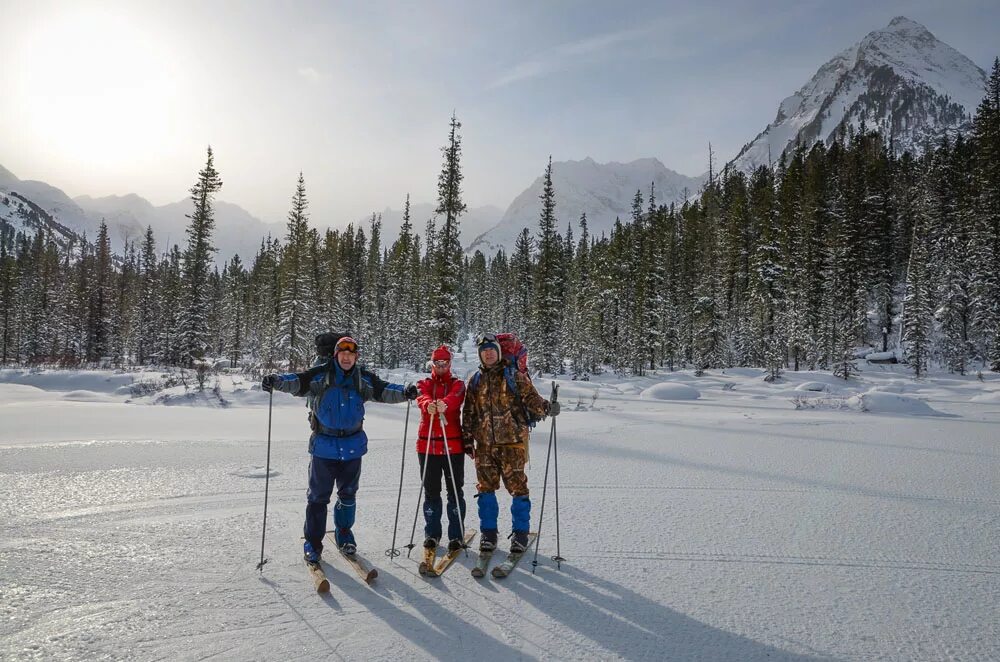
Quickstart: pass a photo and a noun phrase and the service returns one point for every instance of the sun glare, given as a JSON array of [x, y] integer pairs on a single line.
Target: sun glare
[[97, 89]]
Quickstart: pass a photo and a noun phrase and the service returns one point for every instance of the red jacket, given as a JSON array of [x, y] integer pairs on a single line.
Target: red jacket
[[452, 391]]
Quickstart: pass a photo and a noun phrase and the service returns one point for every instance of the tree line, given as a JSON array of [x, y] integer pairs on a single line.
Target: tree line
[[797, 266]]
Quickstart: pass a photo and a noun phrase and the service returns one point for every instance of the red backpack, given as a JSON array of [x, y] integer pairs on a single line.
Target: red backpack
[[514, 351]]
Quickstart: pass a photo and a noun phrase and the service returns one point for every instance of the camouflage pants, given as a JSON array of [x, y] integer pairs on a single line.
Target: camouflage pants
[[496, 461]]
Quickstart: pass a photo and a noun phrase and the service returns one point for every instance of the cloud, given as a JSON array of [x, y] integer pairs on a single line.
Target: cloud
[[310, 74], [572, 53]]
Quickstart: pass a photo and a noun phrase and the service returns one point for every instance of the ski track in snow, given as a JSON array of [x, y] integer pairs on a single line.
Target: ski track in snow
[[732, 527]]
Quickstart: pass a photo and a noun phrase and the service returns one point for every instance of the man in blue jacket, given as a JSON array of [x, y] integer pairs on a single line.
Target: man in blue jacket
[[336, 390]]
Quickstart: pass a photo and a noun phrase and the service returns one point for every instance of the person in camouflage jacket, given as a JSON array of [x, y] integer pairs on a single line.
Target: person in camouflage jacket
[[494, 422]]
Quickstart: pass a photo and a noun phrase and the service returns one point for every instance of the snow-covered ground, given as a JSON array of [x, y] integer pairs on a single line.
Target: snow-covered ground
[[701, 518]]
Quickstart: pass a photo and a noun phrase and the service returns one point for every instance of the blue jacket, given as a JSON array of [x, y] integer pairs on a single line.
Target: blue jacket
[[336, 403]]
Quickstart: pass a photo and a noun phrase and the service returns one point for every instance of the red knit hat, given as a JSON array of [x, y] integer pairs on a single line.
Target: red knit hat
[[346, 342], [442, 353]]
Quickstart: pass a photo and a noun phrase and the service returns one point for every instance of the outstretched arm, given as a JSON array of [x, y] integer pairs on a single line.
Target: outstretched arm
[[533, 402], [294, 383], [384, 391]]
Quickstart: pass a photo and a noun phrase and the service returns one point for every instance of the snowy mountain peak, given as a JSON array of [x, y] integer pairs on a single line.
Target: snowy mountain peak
[[899, 79], [604, 191], [7, 177], [906, 26]]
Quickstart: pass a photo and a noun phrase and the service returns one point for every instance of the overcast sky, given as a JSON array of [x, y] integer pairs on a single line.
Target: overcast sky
[[104, 98]]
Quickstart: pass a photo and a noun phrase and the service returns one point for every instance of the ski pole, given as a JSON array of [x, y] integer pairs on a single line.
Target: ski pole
[[267, 480], [423, 477], [454, 485], [545, 483], [392, 552], [555, 470]]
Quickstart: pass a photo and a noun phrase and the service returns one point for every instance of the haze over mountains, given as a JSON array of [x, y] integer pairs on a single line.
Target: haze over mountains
[[899, 79]]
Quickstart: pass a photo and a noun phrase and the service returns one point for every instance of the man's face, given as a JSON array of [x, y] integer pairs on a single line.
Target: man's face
[[489, 356], [346, 359]]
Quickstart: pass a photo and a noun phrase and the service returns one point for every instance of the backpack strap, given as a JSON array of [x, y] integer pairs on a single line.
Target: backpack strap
[[508, 373]]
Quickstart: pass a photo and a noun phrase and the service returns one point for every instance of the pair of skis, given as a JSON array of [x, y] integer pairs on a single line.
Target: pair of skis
[[364, 570], [429, 567], [432, 567], [505, 568]]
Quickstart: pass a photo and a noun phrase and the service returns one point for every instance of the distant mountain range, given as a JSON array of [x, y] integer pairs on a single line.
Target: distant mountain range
[[900, 79], [32, 205], [237, 231], [604, 191], [472, 223]]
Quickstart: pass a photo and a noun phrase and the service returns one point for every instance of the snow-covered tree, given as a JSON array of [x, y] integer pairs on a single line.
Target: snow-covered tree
[[193, 323], [547, 303]]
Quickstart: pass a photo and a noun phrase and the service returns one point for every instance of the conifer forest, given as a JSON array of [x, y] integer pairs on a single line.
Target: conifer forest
[[835, 251]]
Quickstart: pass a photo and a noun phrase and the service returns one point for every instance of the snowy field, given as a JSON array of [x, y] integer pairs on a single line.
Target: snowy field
[[701, 518]]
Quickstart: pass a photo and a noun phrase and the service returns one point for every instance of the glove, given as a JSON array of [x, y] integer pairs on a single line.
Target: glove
[[268, 382], [432, 408], [442, 406], [553, 409], [411, 392]]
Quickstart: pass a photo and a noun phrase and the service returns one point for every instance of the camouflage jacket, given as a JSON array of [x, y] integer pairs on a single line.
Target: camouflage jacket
[[490, 414]]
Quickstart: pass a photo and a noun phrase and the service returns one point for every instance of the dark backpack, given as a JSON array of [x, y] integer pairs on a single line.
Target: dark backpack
[[516, 354]]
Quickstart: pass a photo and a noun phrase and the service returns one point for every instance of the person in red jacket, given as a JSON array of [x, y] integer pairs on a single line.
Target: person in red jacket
[[440, 397]]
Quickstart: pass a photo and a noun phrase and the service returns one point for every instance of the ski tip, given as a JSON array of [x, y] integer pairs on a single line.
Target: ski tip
[[477, 573], [323, 586], [371, 576]]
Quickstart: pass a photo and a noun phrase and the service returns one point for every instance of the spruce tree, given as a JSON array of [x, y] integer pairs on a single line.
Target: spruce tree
[[582, 329], [147, 316], [101, 298], [950, 237], [235, 310], [547, 303], [520, 288], [8, 286], [126, 293], [297, 309], [986, 287], [917, 309], [193, 323], [374, 297], [401, 296], [450, 207], [499, 315], [767, 275]]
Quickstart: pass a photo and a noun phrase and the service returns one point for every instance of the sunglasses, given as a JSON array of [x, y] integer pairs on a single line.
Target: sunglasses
[[441, 363], [486, 337], [348, 346]]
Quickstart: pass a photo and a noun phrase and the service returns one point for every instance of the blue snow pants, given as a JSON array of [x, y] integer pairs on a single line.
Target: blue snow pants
[[323, 475]]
